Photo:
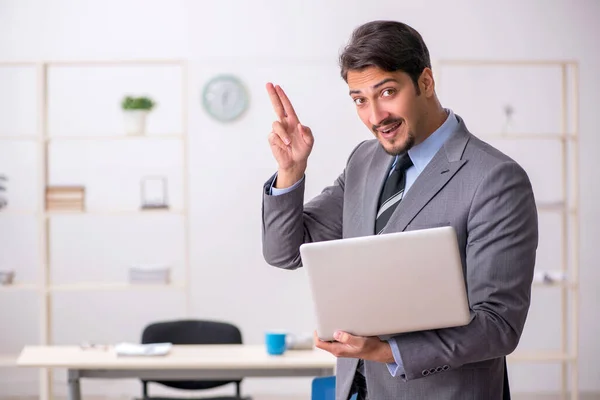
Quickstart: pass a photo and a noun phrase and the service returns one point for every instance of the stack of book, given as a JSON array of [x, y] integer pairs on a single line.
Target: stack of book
[[149, 274], [65, 198]]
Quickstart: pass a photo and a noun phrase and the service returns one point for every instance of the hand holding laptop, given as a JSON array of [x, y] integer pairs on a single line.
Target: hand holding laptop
[[366, 348]]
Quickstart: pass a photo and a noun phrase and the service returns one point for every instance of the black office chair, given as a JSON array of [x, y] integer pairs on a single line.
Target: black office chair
[[193, 332]]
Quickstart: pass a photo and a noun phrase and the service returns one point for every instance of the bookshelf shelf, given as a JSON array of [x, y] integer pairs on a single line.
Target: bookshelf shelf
[[564, 280], [50, 214], [55, 197], [18, 212], [541, 356], [82, 138], [95, 286], [18, 287], [18, 138], [8, 360]]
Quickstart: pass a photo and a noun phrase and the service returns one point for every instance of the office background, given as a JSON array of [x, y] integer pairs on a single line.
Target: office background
[[291, 43]]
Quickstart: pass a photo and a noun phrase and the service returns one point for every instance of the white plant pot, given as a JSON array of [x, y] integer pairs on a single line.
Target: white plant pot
[[135, 122]]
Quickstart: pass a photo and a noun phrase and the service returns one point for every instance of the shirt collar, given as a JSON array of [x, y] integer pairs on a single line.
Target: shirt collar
[[422, 153]]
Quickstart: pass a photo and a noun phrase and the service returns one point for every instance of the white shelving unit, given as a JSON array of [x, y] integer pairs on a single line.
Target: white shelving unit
[[44, 286], [564, 276], [567, 208]]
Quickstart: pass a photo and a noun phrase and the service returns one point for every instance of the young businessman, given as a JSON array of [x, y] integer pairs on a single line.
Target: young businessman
[[423, 169]]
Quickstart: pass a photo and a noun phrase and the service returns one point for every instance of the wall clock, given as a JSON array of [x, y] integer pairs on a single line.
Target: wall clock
[[225, 98]]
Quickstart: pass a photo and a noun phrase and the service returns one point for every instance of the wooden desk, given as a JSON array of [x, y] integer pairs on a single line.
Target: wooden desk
[[183, 362]]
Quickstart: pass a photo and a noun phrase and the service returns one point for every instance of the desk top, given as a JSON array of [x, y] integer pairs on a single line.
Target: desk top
[[181, 357]]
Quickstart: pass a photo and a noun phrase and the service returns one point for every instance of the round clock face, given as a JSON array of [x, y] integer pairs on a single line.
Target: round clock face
[[225, 98]]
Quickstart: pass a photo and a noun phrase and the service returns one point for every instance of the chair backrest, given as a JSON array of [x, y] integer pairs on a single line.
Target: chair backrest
[[323, 388], [192, 332]]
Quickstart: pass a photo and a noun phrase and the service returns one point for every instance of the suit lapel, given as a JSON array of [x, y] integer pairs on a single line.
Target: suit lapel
[[440, 170], [435, 176]]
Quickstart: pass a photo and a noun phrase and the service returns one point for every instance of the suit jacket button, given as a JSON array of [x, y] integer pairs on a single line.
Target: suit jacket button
[[432, 371], [439, 369], [425, 372], [445, 368]]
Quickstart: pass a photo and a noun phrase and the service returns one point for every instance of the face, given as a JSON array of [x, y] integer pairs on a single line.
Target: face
[[388, 104]]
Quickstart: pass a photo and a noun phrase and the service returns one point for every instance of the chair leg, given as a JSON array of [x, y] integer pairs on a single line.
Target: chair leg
[[144, 390]]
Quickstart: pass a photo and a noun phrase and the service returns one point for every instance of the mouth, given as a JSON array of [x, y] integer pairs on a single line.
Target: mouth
[[390, 131]]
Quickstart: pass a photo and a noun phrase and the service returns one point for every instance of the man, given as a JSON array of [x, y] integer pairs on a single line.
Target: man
[[423, 169]]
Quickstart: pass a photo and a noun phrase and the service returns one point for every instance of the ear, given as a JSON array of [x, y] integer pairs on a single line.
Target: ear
[[427, 83]]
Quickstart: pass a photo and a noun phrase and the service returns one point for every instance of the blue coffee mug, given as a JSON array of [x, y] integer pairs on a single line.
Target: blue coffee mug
[[275, 342]]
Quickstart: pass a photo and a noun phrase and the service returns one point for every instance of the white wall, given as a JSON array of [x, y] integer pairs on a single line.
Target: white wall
[[295, 44]]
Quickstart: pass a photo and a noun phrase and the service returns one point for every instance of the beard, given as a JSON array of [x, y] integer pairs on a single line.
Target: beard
[[400, 148], [398, 145]]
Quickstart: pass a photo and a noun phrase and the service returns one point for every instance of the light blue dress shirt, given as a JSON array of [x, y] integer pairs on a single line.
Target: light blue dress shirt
[[420, 155]]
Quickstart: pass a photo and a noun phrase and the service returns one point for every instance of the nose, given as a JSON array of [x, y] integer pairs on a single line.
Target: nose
[[377, 114]]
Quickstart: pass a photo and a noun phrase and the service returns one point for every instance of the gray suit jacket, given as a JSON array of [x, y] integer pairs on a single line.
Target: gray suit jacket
[[488, 199]]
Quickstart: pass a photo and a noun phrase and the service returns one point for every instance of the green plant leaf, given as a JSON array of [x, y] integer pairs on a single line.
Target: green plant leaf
[[137, 103]]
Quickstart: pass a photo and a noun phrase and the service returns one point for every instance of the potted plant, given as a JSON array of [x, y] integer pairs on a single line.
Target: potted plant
[[136, 110]]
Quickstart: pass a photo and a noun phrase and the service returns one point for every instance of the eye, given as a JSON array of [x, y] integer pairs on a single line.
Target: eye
[[388, 92], [358, 101]]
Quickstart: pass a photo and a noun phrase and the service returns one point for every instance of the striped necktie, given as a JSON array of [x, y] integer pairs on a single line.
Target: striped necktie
[[392, 192]]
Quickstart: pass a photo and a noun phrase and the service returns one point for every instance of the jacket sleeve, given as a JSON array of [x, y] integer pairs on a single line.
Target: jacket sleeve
[[502, 229], [287, 222]]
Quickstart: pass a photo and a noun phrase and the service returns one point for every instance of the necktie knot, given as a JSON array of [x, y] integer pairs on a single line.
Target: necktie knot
[[393, 191], [404, 162]]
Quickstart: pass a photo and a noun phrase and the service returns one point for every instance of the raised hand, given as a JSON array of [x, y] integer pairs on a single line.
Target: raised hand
[[291, 142]]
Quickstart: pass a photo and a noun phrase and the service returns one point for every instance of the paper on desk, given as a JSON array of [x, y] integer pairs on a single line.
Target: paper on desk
[[136, 349]]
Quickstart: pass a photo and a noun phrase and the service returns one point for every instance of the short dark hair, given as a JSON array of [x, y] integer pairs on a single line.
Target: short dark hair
[[388, 45]]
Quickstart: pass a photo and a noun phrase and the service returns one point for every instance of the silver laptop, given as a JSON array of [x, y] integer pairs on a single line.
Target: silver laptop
[[386, 284]]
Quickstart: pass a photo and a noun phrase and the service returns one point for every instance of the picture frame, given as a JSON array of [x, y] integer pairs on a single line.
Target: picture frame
[[153, 192]]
